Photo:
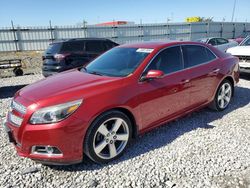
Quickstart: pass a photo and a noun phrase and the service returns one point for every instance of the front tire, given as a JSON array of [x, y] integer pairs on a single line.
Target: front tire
[[223, 96], [108, 137]]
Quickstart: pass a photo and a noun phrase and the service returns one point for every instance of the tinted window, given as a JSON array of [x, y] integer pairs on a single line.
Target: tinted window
[[169, 60], [195, 55], [210, 55], [108, 45], [94, 46], [117, 62], [221, 41], [53, 48], [73, 46], [212, 42]]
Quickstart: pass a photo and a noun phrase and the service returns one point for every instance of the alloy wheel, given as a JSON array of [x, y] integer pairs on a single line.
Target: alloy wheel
[[224, 96], [111, 138]]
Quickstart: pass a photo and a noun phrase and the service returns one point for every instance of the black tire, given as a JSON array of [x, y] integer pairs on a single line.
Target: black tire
[[18, 72], [215, 105], [91, 135]]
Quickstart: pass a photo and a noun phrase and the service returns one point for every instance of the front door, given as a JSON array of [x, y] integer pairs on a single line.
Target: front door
[[168, 96]]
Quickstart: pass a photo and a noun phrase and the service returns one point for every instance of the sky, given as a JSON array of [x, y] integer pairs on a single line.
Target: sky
[[72, 12]]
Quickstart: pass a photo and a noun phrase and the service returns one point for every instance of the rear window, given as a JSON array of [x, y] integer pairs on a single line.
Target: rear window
[[53, 48], [196, 55], [73, 46]]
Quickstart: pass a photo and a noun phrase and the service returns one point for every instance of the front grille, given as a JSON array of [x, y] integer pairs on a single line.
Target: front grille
[[13, 117], [245, 59], [18, 107]]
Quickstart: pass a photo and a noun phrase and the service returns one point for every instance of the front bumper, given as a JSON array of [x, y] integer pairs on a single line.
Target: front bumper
[[66, 135]]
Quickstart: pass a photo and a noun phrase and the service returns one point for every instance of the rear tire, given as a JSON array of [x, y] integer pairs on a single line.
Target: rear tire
[[223, 96], [108, 137]]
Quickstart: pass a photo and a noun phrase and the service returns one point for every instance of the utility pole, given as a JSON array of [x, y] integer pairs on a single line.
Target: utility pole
[[233, 11]]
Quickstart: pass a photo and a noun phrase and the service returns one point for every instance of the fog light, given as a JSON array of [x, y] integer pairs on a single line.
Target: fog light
[[50, 150], [46, 150]]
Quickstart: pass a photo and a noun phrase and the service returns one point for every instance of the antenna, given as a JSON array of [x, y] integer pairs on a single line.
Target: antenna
[[233, 11]]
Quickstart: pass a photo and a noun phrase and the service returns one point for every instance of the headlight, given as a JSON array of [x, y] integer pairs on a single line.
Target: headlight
[[55, 113]]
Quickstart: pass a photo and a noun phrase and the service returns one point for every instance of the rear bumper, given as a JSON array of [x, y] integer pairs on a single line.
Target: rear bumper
[[66, 135]]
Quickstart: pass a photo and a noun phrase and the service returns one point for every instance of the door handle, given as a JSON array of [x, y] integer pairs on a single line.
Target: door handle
[[185, 81], [214, 72]]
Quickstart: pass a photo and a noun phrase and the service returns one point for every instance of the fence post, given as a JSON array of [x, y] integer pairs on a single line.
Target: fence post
[[245, 28], [190, 33], [19, 39], [14, 35], [208, 29], [221, 30], [51, 32], [233, 30], [84, 29]]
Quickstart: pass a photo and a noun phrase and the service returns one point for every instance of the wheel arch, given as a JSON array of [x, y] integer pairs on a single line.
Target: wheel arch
[[124, 110]]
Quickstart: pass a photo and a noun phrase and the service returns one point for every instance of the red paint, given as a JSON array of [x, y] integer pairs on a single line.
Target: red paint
[[152, 102]]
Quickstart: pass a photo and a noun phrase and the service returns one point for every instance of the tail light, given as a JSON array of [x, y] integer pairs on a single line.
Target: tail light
[[60, 57]]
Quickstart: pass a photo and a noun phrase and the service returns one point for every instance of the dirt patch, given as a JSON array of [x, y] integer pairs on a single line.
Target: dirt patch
[[31, 62]]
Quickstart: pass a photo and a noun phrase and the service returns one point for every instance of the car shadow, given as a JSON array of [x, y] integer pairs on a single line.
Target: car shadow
[[9, 91], [164, 135]]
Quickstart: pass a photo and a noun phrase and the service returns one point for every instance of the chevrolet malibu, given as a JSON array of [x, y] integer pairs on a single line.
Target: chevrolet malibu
[[127, 91]]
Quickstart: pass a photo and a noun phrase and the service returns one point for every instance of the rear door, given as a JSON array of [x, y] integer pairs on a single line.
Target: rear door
[[168, 96], [203, 68]]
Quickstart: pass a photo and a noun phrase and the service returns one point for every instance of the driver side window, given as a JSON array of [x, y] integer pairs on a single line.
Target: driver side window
[[168, 61]]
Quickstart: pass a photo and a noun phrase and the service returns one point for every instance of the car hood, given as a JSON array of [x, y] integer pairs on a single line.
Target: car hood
[[239, 50], [64, 86]]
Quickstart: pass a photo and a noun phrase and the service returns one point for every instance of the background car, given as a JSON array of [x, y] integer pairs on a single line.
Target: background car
[[241, 37], [129, 90], [243, 53], [220, 43], [73, 53]]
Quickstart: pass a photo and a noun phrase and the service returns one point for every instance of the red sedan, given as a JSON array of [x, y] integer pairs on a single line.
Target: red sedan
[[95, 111]]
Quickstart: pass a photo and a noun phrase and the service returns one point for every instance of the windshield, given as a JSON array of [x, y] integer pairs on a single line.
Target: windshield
[[246, 42], [118, 62]]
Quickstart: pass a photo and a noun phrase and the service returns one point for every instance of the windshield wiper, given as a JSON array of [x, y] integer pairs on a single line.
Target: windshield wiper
[[95, 73], [91, 72], [85, 69]]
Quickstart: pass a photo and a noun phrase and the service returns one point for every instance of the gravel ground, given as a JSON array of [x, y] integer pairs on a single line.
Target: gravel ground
[[205, 149]]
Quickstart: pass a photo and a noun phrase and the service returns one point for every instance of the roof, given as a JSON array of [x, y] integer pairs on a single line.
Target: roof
[[156, 44], [81, 39]]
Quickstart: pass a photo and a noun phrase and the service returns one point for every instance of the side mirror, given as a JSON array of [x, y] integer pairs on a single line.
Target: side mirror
[[153, 74]]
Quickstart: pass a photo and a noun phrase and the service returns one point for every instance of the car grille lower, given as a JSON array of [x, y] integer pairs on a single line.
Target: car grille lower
[[245, 59]]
